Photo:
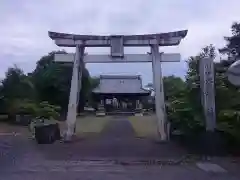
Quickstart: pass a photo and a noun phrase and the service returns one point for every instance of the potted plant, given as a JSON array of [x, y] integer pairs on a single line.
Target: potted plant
[[44, 127]]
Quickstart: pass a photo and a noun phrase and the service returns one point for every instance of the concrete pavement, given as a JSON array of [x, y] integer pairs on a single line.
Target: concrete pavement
[[76, 170], [101, 157]]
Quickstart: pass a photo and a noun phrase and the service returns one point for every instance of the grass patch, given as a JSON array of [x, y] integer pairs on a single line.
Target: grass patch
[[89, 124], [12, 128], [144, 126]]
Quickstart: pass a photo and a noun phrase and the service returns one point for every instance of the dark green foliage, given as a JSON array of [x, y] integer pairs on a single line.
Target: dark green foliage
[[184, 108], [39, 110], [173, 87], [49, 82], [183, 100], [184, 105], [53, 80], [232, 48], [15, 88]]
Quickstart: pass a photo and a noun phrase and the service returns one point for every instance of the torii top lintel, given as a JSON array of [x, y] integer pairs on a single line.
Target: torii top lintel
[[162, 39]]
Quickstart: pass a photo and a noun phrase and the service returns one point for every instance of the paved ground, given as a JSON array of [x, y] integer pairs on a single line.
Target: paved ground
[[117, 141], [75, 171], [105, 156]]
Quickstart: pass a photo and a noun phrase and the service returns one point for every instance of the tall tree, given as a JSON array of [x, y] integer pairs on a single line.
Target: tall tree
[[16, 87], [224, 90], [185, 107], [173, 87], [52, 81], [232, 48]]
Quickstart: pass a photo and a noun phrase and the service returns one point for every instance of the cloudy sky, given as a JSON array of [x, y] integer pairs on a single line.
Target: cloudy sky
[[24, 25]]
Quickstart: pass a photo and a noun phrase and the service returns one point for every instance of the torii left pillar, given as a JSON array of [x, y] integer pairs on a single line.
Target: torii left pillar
[[74, 97]]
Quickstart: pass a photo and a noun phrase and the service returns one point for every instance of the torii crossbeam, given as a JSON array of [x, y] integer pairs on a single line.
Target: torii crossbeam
[[117, 44]]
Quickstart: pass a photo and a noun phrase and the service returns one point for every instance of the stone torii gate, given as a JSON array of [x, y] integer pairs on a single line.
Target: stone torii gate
[[116, 44]]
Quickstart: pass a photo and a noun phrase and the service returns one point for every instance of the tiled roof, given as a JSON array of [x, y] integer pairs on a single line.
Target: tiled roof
[[120, 77], [120, 91], [120, 84]]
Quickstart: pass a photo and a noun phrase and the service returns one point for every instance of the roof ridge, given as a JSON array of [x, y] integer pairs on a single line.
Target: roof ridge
[[119, 76]]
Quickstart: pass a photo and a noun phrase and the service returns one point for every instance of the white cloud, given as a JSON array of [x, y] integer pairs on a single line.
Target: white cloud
[[24, 25]]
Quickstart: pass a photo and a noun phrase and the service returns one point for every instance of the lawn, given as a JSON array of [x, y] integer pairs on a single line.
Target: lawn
[[89, 124], [8, 129], [144, 126]]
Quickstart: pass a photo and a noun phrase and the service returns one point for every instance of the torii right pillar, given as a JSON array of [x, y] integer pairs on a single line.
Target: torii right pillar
[[159, 93]]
